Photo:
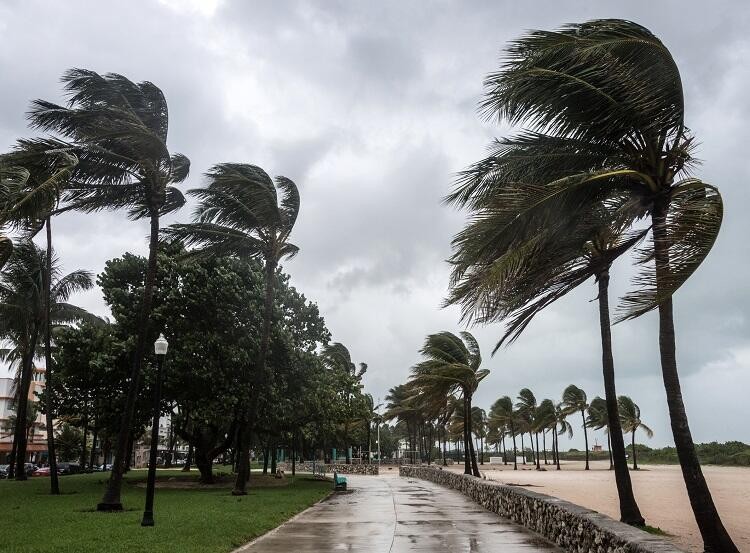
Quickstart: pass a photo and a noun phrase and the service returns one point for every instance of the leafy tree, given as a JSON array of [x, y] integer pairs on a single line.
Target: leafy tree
[[245, 213], [119, 131], [574, 400], [630, 416]]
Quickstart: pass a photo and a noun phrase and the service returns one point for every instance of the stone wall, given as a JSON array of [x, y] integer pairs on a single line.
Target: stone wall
[[572, 527], [307, 466]]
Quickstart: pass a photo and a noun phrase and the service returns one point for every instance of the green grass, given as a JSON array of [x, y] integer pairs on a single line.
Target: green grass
[[187, 520]]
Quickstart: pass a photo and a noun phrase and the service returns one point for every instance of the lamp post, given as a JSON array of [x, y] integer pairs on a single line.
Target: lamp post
[[160, 349]]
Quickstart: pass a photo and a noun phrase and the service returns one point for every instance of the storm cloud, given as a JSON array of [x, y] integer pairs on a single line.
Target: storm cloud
[[371, 108]]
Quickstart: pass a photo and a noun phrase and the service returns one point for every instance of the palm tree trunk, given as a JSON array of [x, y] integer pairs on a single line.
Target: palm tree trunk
[[505, 454], [544, 444], [715, 537], [538, 465], [585, 437], [48, 396], [240, 483], [629, 511], [22, 406], [111, 500], [515, 452], [523, 449], [467, 459], [609, 449], [632, 441], [557, 450]]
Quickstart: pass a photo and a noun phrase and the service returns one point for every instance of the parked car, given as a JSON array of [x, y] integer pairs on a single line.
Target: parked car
[[44, 471], [103, 468], [68, 468], [4, 471], [30, 468]]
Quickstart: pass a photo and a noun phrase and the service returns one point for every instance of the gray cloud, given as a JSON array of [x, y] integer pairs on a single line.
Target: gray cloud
[[370, 107]]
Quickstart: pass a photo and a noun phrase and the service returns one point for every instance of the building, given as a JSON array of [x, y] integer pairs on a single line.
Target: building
[[36, 449]]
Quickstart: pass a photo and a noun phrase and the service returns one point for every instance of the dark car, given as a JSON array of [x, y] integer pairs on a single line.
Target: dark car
[[68, 468]]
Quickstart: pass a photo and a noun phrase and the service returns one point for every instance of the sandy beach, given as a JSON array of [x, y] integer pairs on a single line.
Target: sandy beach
[[659, 490]]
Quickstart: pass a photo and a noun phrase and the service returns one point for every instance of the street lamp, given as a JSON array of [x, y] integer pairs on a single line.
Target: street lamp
[[160, 349]]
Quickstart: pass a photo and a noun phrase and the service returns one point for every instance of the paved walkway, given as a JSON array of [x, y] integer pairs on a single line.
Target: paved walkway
[[392, 514]]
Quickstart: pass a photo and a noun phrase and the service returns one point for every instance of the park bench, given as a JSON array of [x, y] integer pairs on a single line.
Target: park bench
[[339, 482]]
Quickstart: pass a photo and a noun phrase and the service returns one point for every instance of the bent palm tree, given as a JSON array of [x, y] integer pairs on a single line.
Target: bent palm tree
[[630, 415], [119, 133], [503, 415], [23, 316], [574, 399], [597, 419], [244, 213], [454, 362], [603, 102]]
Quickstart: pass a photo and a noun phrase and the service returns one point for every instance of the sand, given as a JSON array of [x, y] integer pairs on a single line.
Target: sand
[[659, 490]]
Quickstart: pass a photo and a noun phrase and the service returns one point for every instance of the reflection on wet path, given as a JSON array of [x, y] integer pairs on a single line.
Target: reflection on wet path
[[396, 515]]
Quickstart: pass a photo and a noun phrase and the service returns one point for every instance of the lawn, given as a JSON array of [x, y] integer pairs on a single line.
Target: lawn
[[187, 520]]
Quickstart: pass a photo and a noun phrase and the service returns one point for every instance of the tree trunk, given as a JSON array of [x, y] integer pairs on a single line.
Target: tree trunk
[[92, 460], [269, 274], [629, 511], [49, 399], [715, 537], [515, 452], [544, 445], [609, 449], [467, 459], [505, 454], [538, 464], [111, 500], [585, 437], [205, 464], [84, 443], [557, 449], [265, 460], [523, 449], [22, 406], [635, 460]]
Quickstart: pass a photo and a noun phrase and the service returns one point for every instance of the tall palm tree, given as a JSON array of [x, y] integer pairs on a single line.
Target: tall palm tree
[[560, 426], [48, 164], [245, 213], [23, 316], [603, 106], [119, 133], [401, 405], [545, 415], [455, 361], [597, 419], [630, 415], [503, 415], [574, 400]]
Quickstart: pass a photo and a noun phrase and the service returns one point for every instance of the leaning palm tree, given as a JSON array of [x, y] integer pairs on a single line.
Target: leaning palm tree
[[630, 415], [574, 400], [503, 415], [23, 317], [118, 130], [49, 164], [545, 421], [603, 106], [527, 409], [598, 419], [245, 213], [401, 406], [456, 362]]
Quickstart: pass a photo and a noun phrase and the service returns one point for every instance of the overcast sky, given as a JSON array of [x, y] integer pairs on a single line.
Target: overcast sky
[[370, 108]]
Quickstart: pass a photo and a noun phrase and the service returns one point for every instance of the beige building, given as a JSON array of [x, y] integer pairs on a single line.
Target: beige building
[[37, 434]]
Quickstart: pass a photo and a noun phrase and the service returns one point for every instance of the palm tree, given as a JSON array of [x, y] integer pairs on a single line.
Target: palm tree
[[119, 131], [455, 362], [527, 409], [560, 426], [604, 109], [503, 415], [545, 420], [23, 315], [48, 165], [401, 405], [630, 415], [244, 213], [574, 399], [597, 419]]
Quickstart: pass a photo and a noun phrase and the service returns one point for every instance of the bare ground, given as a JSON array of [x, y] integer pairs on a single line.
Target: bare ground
[[659, 490]]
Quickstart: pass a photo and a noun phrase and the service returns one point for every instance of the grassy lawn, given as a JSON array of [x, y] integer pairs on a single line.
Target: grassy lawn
[[187, 520]]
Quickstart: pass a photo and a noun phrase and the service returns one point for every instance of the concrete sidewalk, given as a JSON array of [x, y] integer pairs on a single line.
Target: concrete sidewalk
[[390, 514]]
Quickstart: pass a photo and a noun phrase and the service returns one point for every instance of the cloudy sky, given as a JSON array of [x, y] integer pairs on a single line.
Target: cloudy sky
[[370, 108]]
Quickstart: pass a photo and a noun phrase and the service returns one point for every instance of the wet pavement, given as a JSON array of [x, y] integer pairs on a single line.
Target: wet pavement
[[391, 514]]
